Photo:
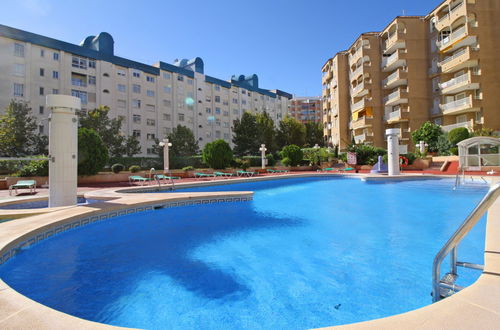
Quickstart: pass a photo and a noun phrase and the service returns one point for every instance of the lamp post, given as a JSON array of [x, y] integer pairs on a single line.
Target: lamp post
[[165, 144], [263, 150], [421, 146]]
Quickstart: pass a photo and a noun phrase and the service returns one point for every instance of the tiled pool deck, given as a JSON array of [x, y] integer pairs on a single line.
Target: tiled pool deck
[[476, 307]]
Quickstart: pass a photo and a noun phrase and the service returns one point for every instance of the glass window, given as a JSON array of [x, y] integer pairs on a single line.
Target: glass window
[[136, 119], [80, 94], [19, 70], [180, 116], [217, 98], [150, 79], [92, 80], [150, 107], [55, 56], [122, 104], [121, 73], [150, 136], [42, 52], [167, 103], [150, 122], [18, 50], [42, 72], [41, 109], [190, 81], [18, 90], [166, 75], [166, 116], [78, 62], [136, 133], [92, 64], [217, 87], [136, 74], [136, 104], [136, 88], [55, 74], [167, 89], [122, 88], [150, 93], [217, 111], [55, 91], [180, 78], [41, 91]]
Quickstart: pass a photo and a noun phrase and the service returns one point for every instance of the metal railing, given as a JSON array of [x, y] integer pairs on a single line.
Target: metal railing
[[455, 81], [460, 103], [446, 286], [454, 56], [457, 34]]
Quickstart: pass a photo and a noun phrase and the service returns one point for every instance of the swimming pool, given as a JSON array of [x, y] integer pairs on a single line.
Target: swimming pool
[[304, 253], [42, 204]]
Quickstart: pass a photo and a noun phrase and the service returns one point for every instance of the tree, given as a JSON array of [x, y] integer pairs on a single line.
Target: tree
[[92, 153], [429, 133], [314, 134], [458, 134], [266, 133], [245, 135], [292, 155], [217, 154], [17, 130], [132, 146], [183, 142], [484, 132], [291, 131], [108, 129], [40, 145]]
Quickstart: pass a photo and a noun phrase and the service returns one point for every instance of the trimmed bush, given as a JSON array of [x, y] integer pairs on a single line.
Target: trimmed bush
[[134, 168], [188, 168], [35, 168], [365, 154], [92, 154], [292, 155], [117, 168], [271, 161], [458, 134], [242, 163], [217, 154]]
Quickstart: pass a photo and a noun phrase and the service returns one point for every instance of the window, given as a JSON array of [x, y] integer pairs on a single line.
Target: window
[[180, 116], [235, 101], [167, 89], [40, 129], [136, 74], [236, 112], [150, 136], [150, 79], [150, 107], [243, 101], [122, 88], [217, 87], [55, 91], [136, 88], [136, 104], [166, 75], [136, 133], [225, 124], [92, 80], [18, 90], [217, 134], [55, 56], [18, 50], [150, 151], [180, 78], [167, 130], [217, 98], [208, 110], [42, 72], [166, 116], [78, 62], [121, 73], [42, 52], [243, 92], [217, 111], [190, 94], [217, 122], [41, 91], [80, 94], [226, 136], [190, 82], [167, 103], [136, 119], [226, 113], [19, 70], [55, 74], [150, 93], [122, 103], [150, 122], [92, 65], [41, 109]]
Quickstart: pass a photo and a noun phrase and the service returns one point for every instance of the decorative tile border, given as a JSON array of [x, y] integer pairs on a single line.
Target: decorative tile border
[[83, 221]]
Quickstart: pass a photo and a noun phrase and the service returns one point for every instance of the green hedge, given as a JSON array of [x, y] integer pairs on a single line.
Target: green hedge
[[148, 162]]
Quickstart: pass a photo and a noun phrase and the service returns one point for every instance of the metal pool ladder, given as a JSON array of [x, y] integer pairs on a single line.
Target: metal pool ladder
[[445, 287]]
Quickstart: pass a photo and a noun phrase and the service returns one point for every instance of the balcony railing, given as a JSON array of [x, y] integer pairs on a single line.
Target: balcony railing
[[455, 35], [450, 12], [392, 96], [390, 78], [454, 56], [78, 82], [466, 124], [358, 105], [356, 72], [358, 88], [360, 138], [392, 115], [455, 81], [391, 59], [457, 104]]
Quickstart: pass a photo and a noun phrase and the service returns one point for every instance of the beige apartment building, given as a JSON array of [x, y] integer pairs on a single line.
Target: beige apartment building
[[440, 67], [306, 109], [465, 68], [152, 99], [336, 101]]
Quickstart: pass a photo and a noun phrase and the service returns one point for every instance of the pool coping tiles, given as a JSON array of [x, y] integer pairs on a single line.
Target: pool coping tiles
[[477, 306]]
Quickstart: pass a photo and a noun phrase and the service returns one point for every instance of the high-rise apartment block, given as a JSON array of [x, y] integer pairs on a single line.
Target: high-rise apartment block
[[440, 68], [306, 109], [152, 99]]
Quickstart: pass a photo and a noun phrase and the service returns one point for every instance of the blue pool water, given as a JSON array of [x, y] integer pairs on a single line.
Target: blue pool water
[[42, 204], [304, 253]]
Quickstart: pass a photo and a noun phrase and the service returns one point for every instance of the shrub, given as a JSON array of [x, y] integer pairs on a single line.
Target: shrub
[[35, 168], [188, 168], [458, 134], [292, 155], [443, 145], [92, 154], [117, 168], [11, 166], [244, 164], [255, 161], [271, 161], [217, 154], [134, 168], [365, 154], [429, 133]]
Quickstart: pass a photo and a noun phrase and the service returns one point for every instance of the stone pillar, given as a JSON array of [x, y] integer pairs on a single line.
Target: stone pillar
[[63, 149], [393, 150], [263, 150]]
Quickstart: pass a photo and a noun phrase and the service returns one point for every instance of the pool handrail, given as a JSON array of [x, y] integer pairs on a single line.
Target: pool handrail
[[450, 247]]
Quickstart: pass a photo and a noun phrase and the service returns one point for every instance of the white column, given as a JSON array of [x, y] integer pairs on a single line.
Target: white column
[[63, 149], [393, 150], [166, 162], [263, 150]]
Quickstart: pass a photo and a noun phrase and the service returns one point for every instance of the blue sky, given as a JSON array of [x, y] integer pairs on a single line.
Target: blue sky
[[284, 42]]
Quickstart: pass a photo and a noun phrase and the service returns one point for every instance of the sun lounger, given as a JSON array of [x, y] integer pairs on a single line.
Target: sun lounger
[[246, 173], [223, 174], [346, 169], [138, 178], [27, 184], [328, 169], [203, 175], [166, 177], [276, 171]]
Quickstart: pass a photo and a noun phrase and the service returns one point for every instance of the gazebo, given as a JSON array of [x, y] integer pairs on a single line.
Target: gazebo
[[479, 153]]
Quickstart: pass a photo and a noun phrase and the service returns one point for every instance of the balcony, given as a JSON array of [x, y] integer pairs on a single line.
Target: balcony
[[456, 39], [362, 122], [459, 84], [358, 105], [394, 41], [466, 124], [467, 104], [397, 97], [462, 59], [395, 79], [394, 61], [458, 11], [363, 138], [361, 89], [78, 82], [353, 57], [326, 77], [396, 116]]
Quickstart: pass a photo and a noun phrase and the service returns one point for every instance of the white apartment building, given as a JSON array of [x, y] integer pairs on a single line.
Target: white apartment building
[[152, 99]]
